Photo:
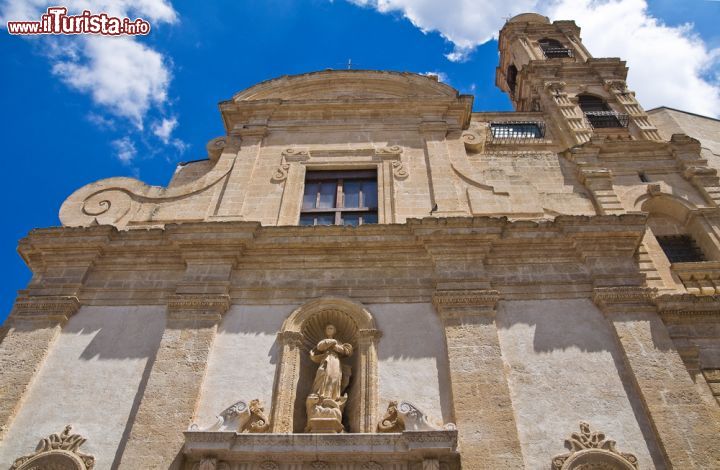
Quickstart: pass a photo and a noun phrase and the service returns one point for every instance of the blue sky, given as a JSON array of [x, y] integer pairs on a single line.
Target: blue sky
[[79, 109]]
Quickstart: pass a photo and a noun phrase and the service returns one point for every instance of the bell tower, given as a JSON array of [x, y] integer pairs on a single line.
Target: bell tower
[[545, 67]]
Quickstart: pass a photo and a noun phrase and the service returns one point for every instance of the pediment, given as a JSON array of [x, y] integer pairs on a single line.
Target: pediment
[[347, 85]]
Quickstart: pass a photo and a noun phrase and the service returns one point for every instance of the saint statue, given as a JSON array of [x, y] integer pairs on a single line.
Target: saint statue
[[327, 398]]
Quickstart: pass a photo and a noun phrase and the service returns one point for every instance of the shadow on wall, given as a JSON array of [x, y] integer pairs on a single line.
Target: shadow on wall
[[567, 325], [121, 333], [414, 331]]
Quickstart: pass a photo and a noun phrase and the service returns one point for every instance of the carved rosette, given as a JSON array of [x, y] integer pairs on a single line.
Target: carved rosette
[[591, 450], [57, 451]]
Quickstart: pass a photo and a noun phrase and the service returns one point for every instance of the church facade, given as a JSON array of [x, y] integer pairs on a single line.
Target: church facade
[[364, 274]]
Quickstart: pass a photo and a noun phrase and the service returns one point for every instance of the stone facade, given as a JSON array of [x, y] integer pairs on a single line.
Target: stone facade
[[540, 289]]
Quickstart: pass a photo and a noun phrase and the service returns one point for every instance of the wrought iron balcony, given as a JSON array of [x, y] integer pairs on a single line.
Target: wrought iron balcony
[[606, 119], [557, 52], [516, 131]]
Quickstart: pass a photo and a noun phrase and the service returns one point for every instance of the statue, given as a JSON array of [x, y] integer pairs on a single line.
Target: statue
[[327, 399]]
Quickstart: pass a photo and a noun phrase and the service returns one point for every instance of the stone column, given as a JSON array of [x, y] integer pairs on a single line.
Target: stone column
[[481, 397], [32, 328], [283, 408], [174, 384], [685, 426]]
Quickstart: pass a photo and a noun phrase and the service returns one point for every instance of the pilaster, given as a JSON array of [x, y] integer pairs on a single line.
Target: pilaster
[[34, 324], [174, 384], [233, 197], [447, 197], [685, 426], [481, 396], [283, 407]]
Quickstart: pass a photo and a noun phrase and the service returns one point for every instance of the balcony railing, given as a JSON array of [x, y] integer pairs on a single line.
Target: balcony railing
[[557, 52], [606, 119], [516, 131]]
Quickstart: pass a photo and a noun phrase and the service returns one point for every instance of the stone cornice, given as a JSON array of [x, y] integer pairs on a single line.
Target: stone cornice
[[197, 307], [688, 306], [232, 446], [624, 298], [457, 304], [468, 253], [51, 308]]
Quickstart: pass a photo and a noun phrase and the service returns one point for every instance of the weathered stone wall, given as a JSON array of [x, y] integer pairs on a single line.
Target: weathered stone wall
[[92, 378], [564, 366]]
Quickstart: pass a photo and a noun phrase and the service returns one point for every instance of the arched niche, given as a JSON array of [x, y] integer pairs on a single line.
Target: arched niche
[[294, 374]]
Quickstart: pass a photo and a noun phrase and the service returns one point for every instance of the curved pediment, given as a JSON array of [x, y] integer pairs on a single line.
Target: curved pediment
[[347, 84]]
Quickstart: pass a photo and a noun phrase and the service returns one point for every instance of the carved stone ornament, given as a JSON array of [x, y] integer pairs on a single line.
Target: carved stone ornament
[[239, 417], [281, 173], [591, 450], [473, 140], [408, 417], [58, 451]]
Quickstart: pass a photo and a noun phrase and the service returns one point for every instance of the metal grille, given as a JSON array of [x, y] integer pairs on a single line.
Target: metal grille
[[515, 131], [557, 52], [604, 119], [680, 249]]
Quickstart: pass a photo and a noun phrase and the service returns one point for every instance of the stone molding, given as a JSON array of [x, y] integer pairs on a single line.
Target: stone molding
[[59, 450], [331, 451], [688, 306], [457, 304], [590, 449], [197, 307], [51, 308], [624, 298]]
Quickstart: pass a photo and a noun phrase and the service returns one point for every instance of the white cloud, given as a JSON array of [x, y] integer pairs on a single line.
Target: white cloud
[[125, 150], [163, 129], [122, 75], [668, 65], [441, 76]]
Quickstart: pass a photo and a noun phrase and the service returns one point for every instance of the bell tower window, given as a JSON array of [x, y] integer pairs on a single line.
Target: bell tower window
[[553, 49], [599, 114]]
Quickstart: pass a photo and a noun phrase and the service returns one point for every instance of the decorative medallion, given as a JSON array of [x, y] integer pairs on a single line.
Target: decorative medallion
[[590, 450], [59, 451]]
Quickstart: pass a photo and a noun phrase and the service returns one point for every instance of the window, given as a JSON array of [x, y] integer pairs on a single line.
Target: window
[[680, 248], [554, 49], [340, 198], [511, 77], [599, 114], [517, 130]]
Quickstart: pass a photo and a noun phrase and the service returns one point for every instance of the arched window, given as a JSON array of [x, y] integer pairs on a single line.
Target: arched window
[[511, 77], [599, 114], [554, 49]]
